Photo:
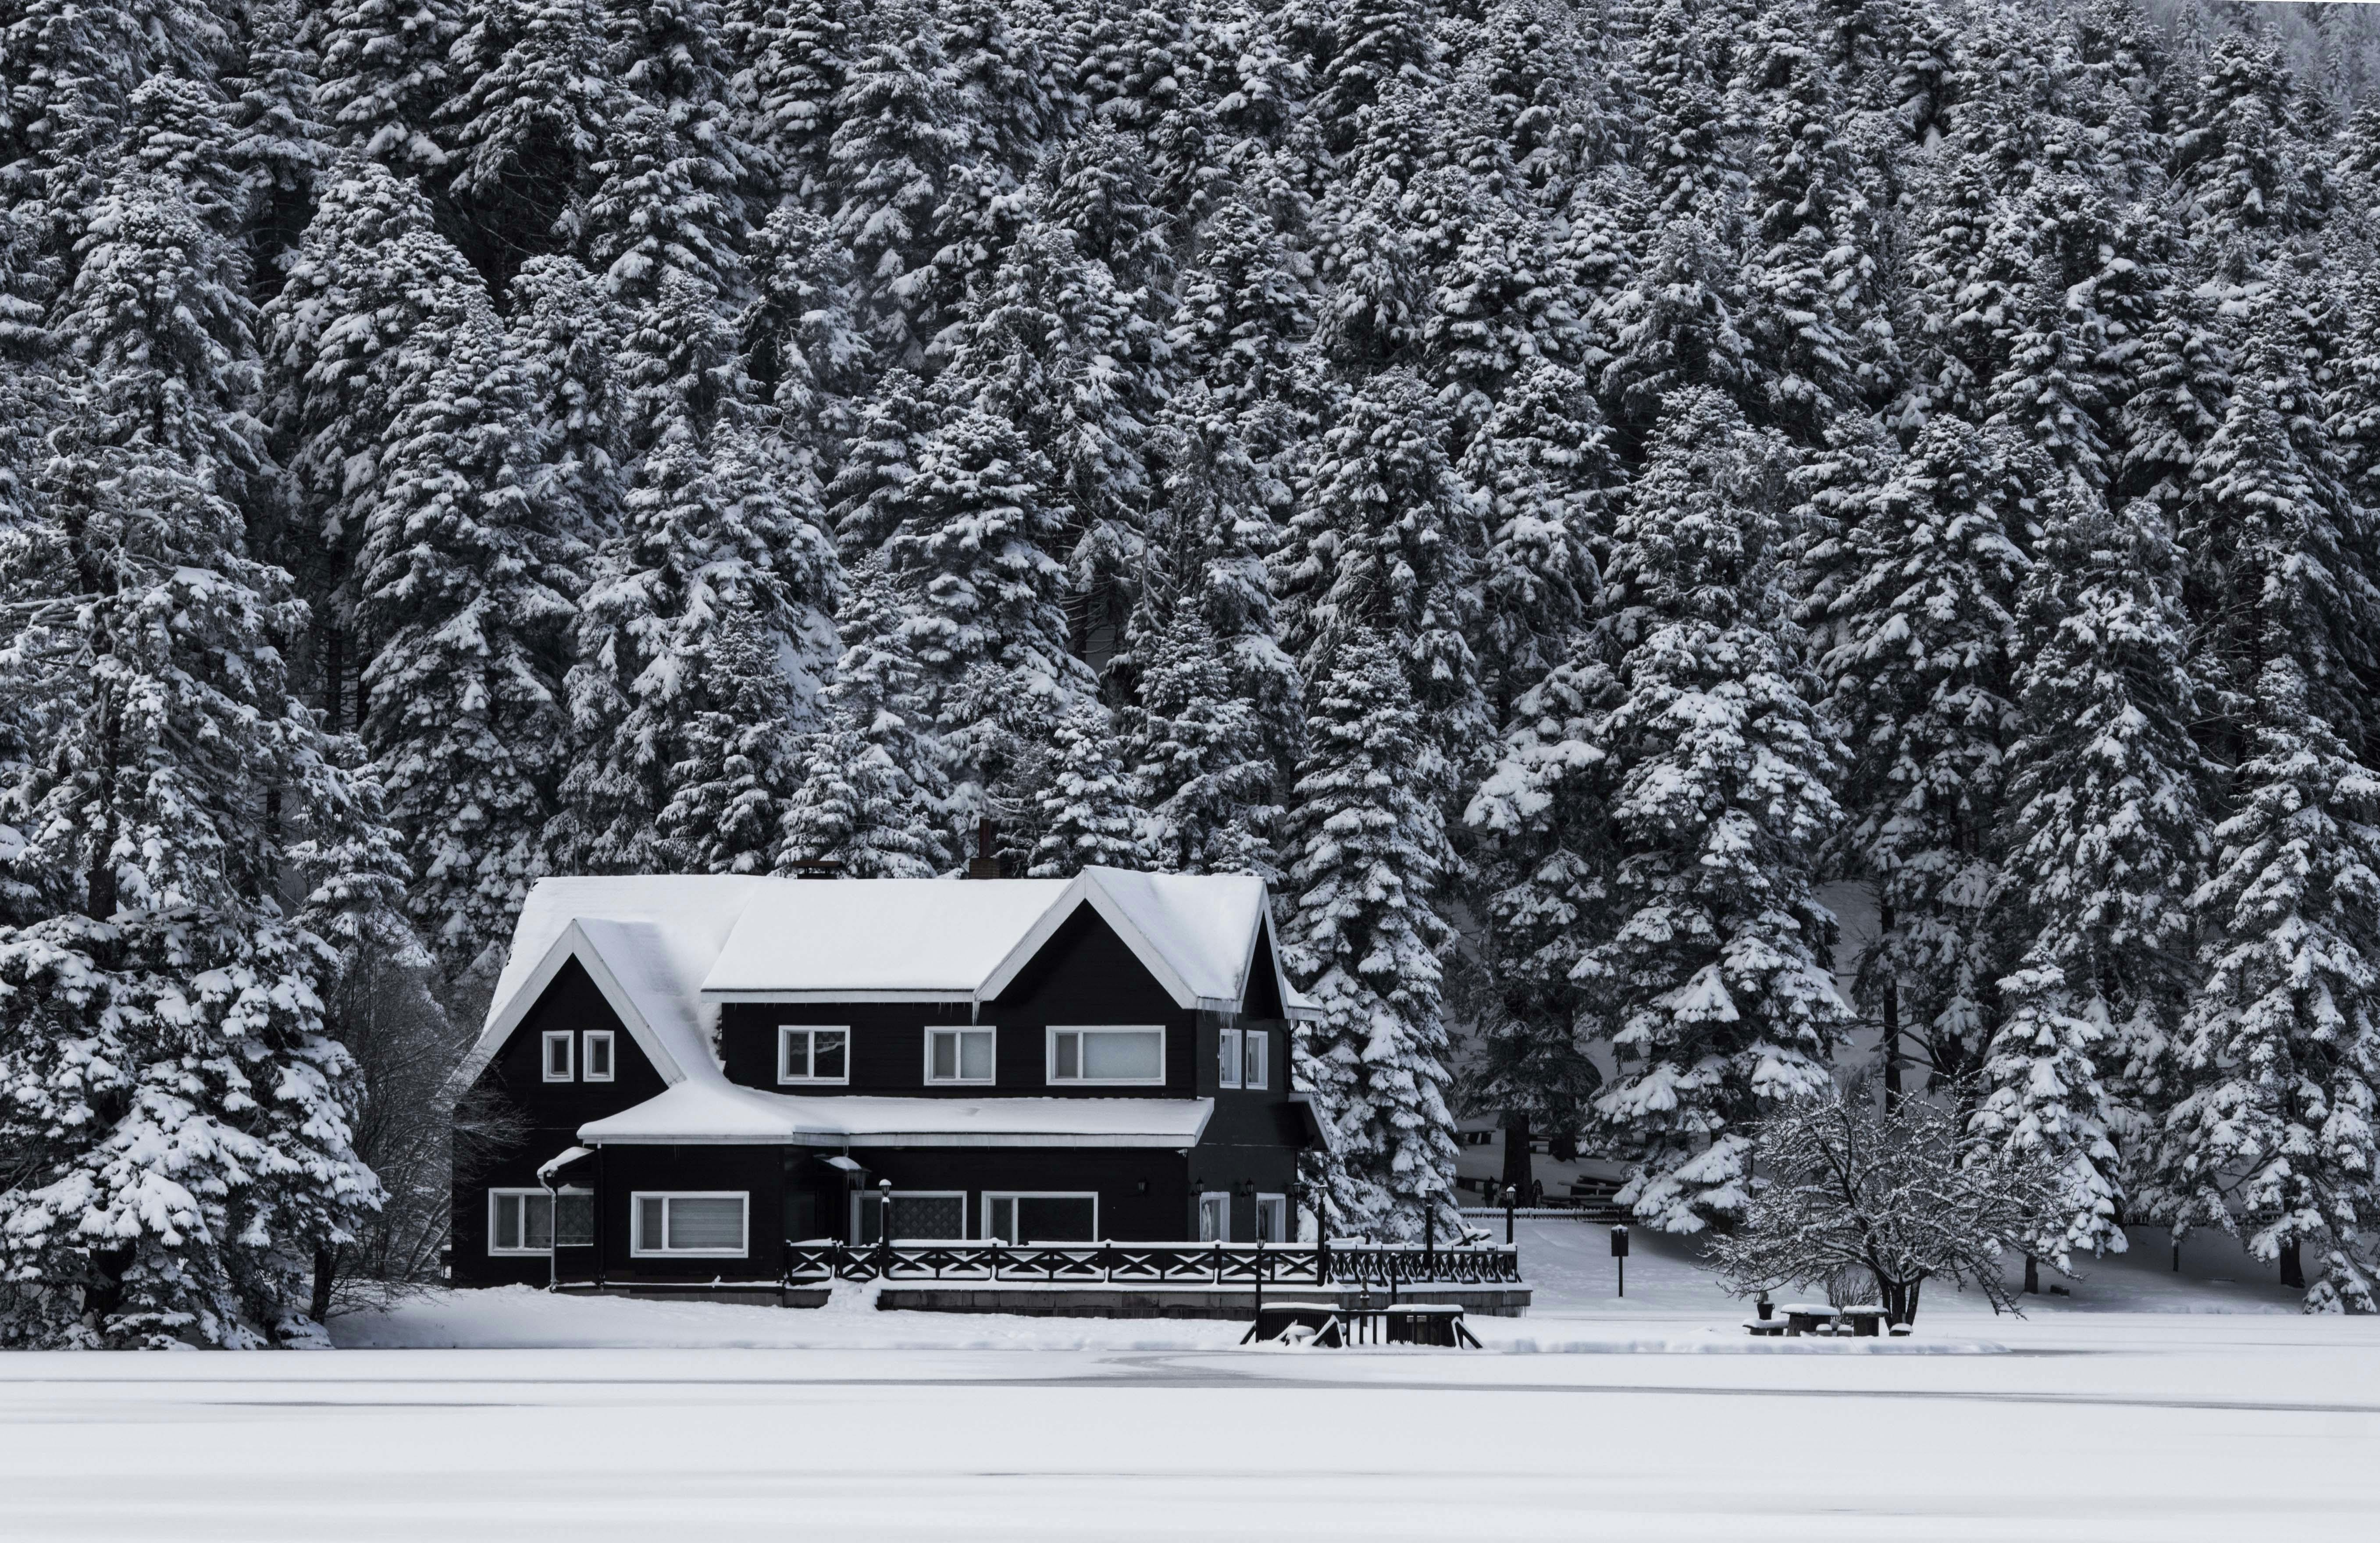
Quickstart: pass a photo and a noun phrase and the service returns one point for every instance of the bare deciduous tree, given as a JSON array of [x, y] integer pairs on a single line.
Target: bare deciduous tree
[[1899, 1192]]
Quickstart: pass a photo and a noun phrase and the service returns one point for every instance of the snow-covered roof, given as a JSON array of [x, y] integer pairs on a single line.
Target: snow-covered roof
[[700, 1112], [856, 940], [647, 942], [667, 949]]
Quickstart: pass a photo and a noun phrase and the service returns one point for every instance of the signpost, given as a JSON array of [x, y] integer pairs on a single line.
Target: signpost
[[1620, 1256]]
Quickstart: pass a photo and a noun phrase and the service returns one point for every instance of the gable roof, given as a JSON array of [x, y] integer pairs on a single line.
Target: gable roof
[[666, 950]]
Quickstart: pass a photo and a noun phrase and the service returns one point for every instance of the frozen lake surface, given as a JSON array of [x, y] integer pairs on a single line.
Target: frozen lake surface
[[2089, 1420]]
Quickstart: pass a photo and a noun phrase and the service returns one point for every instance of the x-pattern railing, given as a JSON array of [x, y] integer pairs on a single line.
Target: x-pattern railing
[[1382, 1265]]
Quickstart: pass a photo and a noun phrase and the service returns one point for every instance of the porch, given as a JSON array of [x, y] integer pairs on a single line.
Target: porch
[[1107, 1279]]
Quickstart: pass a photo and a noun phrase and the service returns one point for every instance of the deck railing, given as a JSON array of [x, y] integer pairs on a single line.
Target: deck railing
[[1387, 1266]]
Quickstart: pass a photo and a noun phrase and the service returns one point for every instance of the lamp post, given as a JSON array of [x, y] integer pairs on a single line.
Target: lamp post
[[1620, 1256], [883, 1229]]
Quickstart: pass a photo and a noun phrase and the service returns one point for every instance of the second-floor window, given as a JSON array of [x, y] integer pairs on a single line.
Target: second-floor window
[[599, 1056], [958, 1054], [1129, 1054], [1255, 1058], [1228, 1051], [558, 1067], [805, 1055]]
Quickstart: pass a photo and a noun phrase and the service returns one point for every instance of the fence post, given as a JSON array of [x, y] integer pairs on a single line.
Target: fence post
[[1429, 1240]]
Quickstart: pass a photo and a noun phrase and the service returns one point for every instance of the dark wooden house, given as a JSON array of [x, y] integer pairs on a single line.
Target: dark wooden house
[[710, 1068]]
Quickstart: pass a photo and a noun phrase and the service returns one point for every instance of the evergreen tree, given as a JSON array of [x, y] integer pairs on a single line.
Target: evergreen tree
[[871, 793], [460, 600], [384, 75], [525, 129], [1922, 678], [1712, 991], [2107, 834], [562, 331], [176, 1122], [2271, 1136], [986, 618], [1087, 816], [1386, 537], [1368, 853]]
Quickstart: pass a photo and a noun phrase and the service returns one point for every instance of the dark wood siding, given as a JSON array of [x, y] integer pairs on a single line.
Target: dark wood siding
[[553, 1111], [1143, 1192], [1085, 975], [759, 1172]]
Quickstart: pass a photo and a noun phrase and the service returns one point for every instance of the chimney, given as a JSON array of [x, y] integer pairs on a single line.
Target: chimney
[[984, 866]]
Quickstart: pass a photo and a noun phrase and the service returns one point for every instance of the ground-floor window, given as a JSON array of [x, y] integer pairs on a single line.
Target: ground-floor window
[[533, 1221], [1215, 1218], [702, 1223], [1043, 1218], [916, 1213], [1272, 1218]]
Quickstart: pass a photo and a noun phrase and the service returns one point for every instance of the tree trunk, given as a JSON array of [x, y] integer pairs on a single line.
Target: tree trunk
[[2292, 1266], [1899, 1302], [1516, 1153], [2032, 1276], [326, 1267], [1890, 1006]]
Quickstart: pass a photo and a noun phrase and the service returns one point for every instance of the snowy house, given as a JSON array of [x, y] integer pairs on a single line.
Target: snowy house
[[710, 1066]]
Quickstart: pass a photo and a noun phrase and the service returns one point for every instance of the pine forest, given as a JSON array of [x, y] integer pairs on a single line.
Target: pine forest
[[1586, 498]]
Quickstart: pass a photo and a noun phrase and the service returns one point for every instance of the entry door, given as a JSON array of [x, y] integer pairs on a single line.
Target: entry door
[[1215, 1218]]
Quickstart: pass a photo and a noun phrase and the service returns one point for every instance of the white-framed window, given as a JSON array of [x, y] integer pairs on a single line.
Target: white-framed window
[[1041, 1217], [599, 1056], [1272, 1218], [1227, 1057], [958, 1056], [1255, 1059], [702, 1223], [557, 1056], [1116, 1056], [807, 1053], [1215, 1217], [917, 1214], [528, 1220]]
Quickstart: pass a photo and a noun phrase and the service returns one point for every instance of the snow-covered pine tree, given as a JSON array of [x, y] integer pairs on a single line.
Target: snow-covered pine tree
[[1368, 853], [718, 523], [1387, 537], [534, 98], [1671, 327], [1921, 676], [2272, 1135], [563, 333], [865, 500], [805, 347], [461, 603], [872, 789], [897, 138], [384, 75], [279, 141], [175, 1123], [1198, 755], [793, 59], [738, 765], [333, 337], [661, 208], [2106, 839], [1712, 991], [1544, 464], [984, 596], [1086, 813]]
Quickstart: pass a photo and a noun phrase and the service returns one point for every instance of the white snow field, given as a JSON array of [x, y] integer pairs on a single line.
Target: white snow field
[[2224, 1415]]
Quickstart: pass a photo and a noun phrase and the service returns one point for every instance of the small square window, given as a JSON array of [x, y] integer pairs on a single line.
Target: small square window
[[599, 1056], [557, 1056], [958, 1054], [809, 1054]]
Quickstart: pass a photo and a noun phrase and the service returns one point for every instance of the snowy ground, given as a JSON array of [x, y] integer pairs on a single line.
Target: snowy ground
[[2145, 1406]]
